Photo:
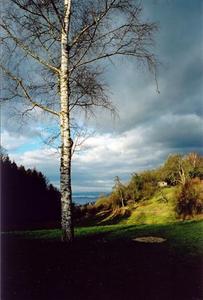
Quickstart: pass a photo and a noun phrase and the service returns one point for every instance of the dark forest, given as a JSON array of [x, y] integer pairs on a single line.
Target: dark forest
[[27, 199]]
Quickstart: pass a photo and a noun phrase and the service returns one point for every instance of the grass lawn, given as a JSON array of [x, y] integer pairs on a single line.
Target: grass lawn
[[185, 237], [104, 263]]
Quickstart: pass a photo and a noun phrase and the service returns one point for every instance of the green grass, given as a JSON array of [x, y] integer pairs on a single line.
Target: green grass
[[159, 209], [155, 216], [184, 237]]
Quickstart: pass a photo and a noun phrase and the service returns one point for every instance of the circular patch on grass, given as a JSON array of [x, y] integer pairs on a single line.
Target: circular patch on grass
[[149, 239]]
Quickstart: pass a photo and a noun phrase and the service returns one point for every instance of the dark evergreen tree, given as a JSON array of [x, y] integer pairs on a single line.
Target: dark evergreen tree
[[27, 200]]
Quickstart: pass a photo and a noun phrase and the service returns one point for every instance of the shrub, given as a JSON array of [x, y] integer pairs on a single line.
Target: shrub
[[113, 201], [190, 199], [141, 186], [148, 190], [103, 203]]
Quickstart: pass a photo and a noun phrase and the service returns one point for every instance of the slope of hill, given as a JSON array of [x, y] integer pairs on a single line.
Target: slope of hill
[[159, 209]]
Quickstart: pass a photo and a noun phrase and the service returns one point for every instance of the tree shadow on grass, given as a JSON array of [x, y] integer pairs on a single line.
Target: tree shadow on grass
[[96, 268]]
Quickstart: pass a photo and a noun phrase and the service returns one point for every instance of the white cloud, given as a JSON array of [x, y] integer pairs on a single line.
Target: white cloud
[[109, 147], [107, 155], [45, 160], [11, 141], [94, 168], [40, 158]]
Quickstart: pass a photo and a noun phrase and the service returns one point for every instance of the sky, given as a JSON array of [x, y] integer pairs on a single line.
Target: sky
[[150, 125]]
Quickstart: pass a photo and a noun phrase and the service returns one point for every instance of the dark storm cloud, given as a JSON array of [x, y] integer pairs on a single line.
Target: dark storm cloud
[[177, 132], [180, 73]]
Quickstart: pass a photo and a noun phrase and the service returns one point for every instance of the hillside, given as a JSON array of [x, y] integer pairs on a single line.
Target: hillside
[[162, 195], [156, 210], [159, 209]]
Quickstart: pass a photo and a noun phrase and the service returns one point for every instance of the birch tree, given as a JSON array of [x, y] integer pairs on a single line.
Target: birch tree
[[54, 57]]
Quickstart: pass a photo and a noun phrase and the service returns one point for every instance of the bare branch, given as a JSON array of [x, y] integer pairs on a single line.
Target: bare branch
[[27, 50], [96, 21], [37, 12], [26, 94], [27, 110], [149, 57], [80, 137], [57, 13]]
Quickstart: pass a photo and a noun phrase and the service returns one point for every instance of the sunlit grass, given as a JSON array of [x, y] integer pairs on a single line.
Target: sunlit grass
[[159, 209]]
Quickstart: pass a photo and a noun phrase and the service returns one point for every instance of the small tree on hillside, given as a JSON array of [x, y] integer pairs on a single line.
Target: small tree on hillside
[[175, 170], [119, 188], [55, 53]]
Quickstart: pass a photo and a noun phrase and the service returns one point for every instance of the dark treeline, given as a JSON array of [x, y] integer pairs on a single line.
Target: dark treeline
[[28, 201]]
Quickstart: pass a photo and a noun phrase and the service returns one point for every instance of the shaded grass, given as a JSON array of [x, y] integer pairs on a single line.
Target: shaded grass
[[185, 237], [104, 263]]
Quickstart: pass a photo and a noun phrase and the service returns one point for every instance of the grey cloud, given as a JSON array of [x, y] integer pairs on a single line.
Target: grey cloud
[[174, 131], [140, 105]]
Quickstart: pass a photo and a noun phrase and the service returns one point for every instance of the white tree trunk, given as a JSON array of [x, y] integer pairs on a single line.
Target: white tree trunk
[[66, 142]]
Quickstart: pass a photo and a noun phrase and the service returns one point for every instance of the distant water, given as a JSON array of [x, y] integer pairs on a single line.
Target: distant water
[[86, 197]]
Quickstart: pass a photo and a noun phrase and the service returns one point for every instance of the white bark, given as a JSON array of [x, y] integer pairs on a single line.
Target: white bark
[[66, 142]]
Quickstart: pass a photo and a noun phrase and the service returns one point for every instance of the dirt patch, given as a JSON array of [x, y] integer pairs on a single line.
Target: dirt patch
[[150, 239]]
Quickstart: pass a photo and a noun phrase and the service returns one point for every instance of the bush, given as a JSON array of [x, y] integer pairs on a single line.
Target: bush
[[103, 203], [190, 199], [113, 201], [148, 190], [141, 186]]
